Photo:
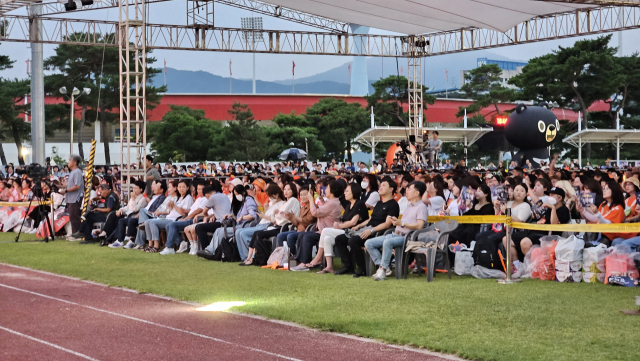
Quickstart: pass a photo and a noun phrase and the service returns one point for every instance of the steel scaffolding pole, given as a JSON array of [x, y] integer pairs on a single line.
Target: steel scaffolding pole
[[132, 67], [416, 45], [37, 86]]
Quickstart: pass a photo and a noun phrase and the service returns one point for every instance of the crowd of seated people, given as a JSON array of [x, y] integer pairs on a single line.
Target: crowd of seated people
[[321, 212]]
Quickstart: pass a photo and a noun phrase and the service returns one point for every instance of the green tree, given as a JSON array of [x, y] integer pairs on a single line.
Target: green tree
[[243, 139], [389, 98], [12, 93], [5, 63], [575, 76], [334, 121], [183, 131], [97, 68], [282, 137], [483, 85]]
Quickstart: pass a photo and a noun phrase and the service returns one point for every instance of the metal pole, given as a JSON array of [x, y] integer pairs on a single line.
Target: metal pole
[[254, 69], [71, 141], [507, 229], [37, 87], [579, 140]]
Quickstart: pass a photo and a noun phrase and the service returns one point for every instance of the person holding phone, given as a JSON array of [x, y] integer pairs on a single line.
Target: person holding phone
[[243, 235]]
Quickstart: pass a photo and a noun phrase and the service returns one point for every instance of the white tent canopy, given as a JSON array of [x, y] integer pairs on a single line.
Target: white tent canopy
[[617, 137], [423, 16], [467, 136]]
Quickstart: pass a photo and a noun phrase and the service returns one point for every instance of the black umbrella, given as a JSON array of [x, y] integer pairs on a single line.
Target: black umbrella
[[293, 154]]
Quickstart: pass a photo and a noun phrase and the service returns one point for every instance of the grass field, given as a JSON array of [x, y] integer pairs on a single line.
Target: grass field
[[475, 319]]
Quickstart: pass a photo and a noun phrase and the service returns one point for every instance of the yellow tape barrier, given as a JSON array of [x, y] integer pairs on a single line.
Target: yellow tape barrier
[[590, 227], [24, 204]]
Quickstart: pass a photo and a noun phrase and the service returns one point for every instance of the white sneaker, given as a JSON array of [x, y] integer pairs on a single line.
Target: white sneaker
[[194, 248], [380, 275], [389, 271], [127, 238], [184, 246], [130, 245], [115, 244], [138, 247], [167, 251]]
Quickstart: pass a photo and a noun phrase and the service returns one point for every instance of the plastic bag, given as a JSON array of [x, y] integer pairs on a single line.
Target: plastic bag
[[279, 255], [463, 263], [593, 261], [620, 262], [526, 267], [483, 272], [543, 259], [569, 249]]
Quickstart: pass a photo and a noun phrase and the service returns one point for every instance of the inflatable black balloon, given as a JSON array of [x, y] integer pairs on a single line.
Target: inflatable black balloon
[[532, 129]]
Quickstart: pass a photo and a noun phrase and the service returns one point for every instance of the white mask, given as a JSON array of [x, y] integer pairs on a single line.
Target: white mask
[[364, 184], [239, 197], [552, 201]]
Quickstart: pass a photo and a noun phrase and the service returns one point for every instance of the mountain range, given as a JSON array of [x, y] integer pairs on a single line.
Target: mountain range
[[439, 72]]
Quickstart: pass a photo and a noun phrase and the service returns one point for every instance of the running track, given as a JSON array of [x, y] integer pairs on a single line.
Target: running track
[[49, 317]]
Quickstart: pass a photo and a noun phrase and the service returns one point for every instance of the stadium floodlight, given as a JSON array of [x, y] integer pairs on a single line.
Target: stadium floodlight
[[76, 91], [63, 90], [252, 37]]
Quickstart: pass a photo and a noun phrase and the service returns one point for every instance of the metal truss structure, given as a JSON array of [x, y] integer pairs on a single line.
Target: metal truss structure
[[416, 45], [53, 8], [131, 38], [210, 38]]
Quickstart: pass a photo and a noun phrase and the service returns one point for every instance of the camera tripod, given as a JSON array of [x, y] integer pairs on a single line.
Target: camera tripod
[[41, 208]]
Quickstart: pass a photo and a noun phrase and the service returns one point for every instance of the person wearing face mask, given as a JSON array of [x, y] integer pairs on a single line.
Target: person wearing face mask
[[243, 210], [370, 194], [555, 213], [259, 249]]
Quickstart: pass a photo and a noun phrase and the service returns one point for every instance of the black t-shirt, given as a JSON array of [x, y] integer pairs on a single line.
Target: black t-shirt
[[486, 210], [382, 210], [359, 208], [563, 214]]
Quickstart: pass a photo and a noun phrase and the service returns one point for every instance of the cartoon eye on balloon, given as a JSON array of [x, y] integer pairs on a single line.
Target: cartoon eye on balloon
[[541, 126]]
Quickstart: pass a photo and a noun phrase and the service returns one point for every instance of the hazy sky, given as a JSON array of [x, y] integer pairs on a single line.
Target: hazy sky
[[268, 66]]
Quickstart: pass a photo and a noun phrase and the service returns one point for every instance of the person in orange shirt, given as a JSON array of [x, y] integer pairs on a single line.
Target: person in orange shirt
[[610, 211], [261, 197]]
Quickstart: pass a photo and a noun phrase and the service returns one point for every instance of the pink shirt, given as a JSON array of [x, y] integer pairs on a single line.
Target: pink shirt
[[327, 213], [412, 214]]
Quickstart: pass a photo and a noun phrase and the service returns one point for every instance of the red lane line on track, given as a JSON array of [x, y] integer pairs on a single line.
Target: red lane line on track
[[48, 344], [140, 312], [153, 323]]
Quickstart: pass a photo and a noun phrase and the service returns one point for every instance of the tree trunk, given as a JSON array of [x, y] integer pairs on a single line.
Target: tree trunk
[[18, 141], [3, 158], [82, 119], [103, 134], [349, 151]]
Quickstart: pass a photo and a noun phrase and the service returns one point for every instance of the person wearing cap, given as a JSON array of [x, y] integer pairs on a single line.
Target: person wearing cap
[[261, 197], [556, 212], [491, 180]]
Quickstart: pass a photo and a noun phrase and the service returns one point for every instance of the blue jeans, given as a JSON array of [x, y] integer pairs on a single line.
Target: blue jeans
[[217, 238], [633, 243], [290, 237], [243, 238], [153, 227], [173, 231], [386, 244]]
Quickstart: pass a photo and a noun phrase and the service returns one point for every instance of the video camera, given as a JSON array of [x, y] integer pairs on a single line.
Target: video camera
[[34, 171]]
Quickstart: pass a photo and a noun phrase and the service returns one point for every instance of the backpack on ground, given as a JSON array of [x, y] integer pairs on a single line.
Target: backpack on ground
[[485, 254], [227, 251]]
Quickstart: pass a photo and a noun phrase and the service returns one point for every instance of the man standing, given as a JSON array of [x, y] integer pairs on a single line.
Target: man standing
[[152, 174], [72, 190], [434, 146]]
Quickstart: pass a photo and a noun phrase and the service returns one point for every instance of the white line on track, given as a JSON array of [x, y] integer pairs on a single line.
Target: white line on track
[[48, 344], [286, 323], [152, 323]]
